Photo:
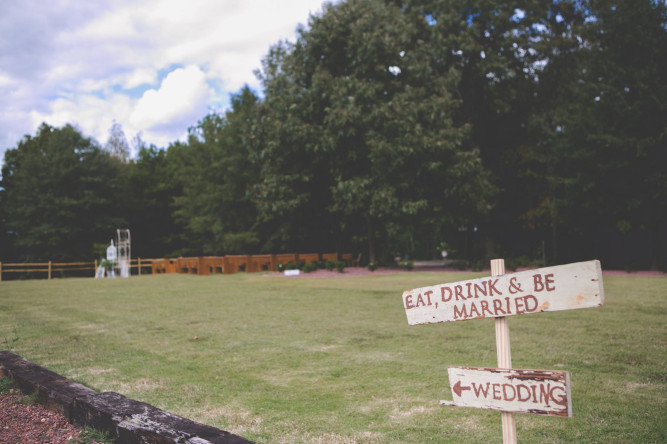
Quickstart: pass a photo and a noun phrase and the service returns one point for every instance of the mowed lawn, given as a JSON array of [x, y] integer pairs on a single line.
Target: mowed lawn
[[333, 360]]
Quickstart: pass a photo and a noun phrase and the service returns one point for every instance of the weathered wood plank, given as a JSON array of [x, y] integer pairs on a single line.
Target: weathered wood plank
[[563, 287], [539, 392]]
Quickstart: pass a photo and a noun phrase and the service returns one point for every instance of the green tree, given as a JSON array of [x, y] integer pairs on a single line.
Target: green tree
[[359, 118], [151, 189], [117, 144], [216, 173], [593, 150], [61, 193]]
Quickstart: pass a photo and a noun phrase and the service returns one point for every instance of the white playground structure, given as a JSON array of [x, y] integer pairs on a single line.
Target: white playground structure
[[123, 246]]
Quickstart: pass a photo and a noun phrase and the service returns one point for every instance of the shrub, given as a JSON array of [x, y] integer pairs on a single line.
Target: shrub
[[340, 266], [372, 266], [281, 267], [310, 267], [408, 264], [330, 265], [295, 266]]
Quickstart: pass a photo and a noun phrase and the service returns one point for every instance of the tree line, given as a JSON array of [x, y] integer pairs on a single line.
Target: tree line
[[524, 129]]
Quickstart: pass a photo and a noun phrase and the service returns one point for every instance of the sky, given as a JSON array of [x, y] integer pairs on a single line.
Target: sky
[[156, 67]]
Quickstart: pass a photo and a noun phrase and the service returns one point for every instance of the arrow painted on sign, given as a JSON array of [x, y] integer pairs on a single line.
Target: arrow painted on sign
[[458, 388]]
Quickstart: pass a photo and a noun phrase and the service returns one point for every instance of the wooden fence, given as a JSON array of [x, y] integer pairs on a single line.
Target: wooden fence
[[206, 265], [50, 269], [202, 265]]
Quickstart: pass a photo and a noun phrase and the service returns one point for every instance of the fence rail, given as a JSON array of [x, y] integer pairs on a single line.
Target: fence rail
[[202, 265], [50, 267]]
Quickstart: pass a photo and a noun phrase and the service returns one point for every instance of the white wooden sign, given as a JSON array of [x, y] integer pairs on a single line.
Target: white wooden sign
[[540, 392], [563, 287]]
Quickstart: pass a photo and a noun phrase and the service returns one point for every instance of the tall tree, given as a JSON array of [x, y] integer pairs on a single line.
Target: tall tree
[[150, 191], [117, 144], [360, 113], [216, 174], [60, 195]]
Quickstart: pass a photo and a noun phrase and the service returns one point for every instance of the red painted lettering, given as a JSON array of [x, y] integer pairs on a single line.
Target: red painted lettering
[[533, 388], [480, 289], [545, 393], [481, 389], [522, 398], [485, 307], [458, 291], [444, 290], [507, 301], [496, 392], [498, 307], [420, 299], [408, 302], [549, 281], [562, 399], [473, 308], [460, 313], [492, 287], [518, 304], [505, 395], [528, 300], [537, 282], [469, 286], [428, 296]]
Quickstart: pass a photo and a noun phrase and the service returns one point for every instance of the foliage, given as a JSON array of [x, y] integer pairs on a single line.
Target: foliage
[[89, 435], [6, 384], [340, 266], [215, 174], [400, 128], [107, 264], [60, 194], [310, 267]]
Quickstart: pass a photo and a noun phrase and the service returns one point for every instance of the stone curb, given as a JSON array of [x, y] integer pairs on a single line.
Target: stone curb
[[125, 420]]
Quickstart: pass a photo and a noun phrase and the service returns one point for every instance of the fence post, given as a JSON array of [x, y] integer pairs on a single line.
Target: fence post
[[139, 266], [49, 270], [0, 271], [95, 268]]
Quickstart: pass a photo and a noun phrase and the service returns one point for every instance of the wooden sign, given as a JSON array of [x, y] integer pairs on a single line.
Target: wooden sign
[[540, 392], [563, 287]]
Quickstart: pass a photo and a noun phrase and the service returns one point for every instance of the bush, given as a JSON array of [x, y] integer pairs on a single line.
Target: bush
[[295, 266], [281, 267], [372, 266], [408, 264], [330, 265], [340, 266], [310, 267]]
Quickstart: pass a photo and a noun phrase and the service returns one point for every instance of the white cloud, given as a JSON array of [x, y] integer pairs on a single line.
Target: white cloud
[[90, 63], [184, 93], [138, 77]]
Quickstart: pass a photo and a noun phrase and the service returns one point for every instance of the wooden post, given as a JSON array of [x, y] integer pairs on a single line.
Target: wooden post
[[0, 271], [95, 268], [49, 270], [504, 355], [139, 266]]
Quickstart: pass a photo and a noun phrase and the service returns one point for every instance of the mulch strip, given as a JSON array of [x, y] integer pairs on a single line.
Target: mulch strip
[[22, 422]]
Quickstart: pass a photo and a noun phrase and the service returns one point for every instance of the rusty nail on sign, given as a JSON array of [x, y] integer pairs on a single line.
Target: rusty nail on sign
[[540, 392], [563, 287]]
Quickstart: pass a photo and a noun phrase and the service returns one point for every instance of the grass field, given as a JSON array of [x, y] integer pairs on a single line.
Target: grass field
[[332, 360]]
